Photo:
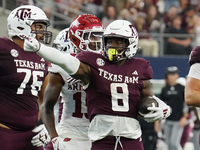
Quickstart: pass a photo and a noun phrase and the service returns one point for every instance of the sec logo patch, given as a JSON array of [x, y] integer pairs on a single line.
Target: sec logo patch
[[100, 62], [14, 52]]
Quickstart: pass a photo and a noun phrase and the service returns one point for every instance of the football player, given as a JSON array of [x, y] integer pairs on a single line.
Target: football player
[[23, 77], [72, 131], [193, 79], [114, 83]]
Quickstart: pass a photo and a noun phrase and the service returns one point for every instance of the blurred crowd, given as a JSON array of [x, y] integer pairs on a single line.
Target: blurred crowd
[[179, 22], [176, 22]]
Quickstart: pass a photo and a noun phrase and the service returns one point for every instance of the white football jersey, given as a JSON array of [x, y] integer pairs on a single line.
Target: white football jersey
[[74, 123]]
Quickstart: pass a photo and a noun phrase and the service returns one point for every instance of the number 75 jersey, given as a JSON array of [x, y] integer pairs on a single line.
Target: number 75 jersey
[[21, 77], [114, 89]]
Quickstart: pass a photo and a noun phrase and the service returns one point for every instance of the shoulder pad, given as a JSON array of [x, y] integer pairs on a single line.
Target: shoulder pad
[[194, 56]]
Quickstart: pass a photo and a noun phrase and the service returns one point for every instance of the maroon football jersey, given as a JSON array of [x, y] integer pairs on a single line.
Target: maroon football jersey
[[114, 90], [21, 76], [195, 56]]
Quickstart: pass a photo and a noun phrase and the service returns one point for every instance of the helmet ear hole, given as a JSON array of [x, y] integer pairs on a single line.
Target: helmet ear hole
[[20, 28], [65, 49]]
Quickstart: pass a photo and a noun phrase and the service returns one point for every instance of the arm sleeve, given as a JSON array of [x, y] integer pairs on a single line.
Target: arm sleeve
[[69, 63]]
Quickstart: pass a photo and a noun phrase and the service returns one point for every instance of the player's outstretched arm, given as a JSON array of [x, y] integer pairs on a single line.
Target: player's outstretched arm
[[69, 63]]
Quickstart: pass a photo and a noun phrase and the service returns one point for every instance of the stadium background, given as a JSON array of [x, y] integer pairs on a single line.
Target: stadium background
[[159, 64]]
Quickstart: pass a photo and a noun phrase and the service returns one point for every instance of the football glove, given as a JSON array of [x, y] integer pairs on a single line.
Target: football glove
[[59, 143], [30, 43], [161, 112], [42, 137]]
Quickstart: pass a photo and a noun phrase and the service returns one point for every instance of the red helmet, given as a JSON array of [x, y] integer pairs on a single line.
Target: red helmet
[[86, 29]]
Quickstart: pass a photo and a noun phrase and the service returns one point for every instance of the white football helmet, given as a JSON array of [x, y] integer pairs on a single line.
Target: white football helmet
[[121, 29], [20, 20], [62, 42]]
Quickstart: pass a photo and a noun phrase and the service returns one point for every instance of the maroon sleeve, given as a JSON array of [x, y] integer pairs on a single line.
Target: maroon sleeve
[[83, 56], [144, 68]]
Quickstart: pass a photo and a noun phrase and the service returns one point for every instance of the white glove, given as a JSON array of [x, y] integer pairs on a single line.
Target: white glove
[[161, 112], [30, 43], [59, 143], [42, 137]]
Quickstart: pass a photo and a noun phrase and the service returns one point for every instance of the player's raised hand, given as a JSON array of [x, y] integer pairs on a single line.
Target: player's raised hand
[[30, 43], [42, 137], [59, 143]]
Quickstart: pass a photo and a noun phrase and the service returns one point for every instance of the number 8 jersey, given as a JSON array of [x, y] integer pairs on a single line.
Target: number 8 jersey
[[114, 90], [21, 76]]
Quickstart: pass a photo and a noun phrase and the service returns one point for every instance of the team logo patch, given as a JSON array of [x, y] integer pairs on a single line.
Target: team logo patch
[[100, 62], [14, 52]]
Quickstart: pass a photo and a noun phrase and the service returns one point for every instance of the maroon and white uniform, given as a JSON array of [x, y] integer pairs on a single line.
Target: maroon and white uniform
[[194, 61], [21, 76], [115, 100]]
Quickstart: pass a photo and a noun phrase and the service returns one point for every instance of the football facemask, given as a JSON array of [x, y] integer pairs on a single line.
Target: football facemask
[[121, 29], [115, 52]]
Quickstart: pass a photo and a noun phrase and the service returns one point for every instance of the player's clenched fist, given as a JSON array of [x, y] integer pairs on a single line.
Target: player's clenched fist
[[30, 44], [42, 137]]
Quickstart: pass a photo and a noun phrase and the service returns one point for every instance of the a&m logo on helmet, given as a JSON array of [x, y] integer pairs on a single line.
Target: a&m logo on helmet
[[23, 13], [134, 32]]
